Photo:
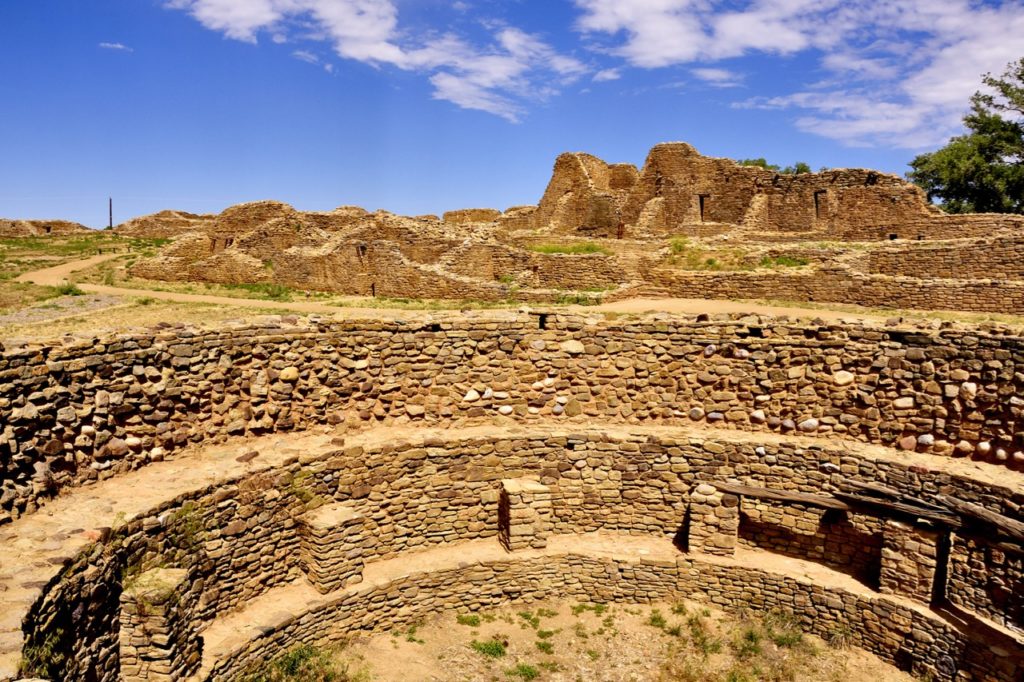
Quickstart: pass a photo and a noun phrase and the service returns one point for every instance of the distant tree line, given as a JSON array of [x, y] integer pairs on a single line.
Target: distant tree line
[[796, 168]]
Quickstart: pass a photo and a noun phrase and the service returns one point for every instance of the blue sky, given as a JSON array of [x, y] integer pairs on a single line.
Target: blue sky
[[422, 106]]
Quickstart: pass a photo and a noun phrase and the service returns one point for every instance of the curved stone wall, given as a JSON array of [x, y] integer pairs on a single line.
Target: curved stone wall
[[239, 537], [906, 637], [88, 410]]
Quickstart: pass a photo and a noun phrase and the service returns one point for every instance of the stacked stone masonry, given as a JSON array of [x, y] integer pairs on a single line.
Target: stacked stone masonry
[[524, 514], [909, 561], [845, 541], [714, 521], [332, 546], [445, 491], [158, 638], [85, 411]]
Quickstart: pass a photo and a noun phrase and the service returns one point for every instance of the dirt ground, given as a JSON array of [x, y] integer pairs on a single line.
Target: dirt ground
[[572, 642]]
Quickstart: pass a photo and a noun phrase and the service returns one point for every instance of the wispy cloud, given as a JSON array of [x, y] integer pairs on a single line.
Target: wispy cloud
[[720, 78], [501, 76], [306, 56], [116, 46], [607, 75], [900, 72]]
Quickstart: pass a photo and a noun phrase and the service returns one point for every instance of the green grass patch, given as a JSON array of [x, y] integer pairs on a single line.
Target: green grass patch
[[471, 620], [576, 248], [523, 671], [783, 262], [68, 289], [264, 290], [302, 664], [492, 648]]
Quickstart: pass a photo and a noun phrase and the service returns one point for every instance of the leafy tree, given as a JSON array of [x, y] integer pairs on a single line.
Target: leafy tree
[[798, 167], [982, 170]]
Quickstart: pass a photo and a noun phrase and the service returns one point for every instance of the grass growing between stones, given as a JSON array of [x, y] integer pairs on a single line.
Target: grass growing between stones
[[303, 663]]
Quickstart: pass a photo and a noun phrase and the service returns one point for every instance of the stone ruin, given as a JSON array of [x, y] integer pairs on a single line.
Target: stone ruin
[[180, 504], [866, 237]]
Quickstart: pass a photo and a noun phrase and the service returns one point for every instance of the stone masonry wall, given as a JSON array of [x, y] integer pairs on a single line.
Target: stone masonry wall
[[987, 580], [982, 259], [841, 284], [847, 542], [241, 535], [895, 633], [89, 410]]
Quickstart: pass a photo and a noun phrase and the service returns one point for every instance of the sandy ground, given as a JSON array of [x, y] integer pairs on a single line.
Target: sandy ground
[[568, 641]]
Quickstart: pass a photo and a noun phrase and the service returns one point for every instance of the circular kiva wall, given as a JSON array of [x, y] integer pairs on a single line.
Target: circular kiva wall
[[389, 527], [83, 411], [688, 406]]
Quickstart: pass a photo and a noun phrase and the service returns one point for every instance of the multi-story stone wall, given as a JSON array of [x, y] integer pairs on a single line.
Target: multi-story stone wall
[[83, 411]]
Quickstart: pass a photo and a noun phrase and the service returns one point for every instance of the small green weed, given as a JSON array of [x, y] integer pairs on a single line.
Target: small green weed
[[492, 648], [472, 620], [523, 671]]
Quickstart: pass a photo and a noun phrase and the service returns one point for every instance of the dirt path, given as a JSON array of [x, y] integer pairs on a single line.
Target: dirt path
[[58, 273]]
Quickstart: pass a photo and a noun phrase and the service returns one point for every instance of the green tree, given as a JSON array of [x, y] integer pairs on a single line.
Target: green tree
[[798, 167], [983, 169]]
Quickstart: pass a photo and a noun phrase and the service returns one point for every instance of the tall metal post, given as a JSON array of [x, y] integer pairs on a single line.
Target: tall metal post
[[110, 206]]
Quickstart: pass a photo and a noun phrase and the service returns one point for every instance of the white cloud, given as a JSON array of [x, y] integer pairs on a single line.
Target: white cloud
[[902, 71], [306, 56], [720, 78], [500, 77], [607, 75], [116, 46]]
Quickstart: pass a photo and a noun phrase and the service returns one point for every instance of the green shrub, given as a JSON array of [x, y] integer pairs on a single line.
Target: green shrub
[[545, 646], [68, 289], [304, 663], [472, 620], [524, 672], [492, 648]]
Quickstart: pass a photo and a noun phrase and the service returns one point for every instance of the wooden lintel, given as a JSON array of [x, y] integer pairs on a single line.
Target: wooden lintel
[[1005, 525], [781, 495], [901, 508]]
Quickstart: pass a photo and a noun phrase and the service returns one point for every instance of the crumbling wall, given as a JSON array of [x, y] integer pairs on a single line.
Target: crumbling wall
[[40, 228]]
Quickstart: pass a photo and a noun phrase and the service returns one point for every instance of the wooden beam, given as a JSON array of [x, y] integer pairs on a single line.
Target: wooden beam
[[781, 495], [901, 508], [892, 494], [1004, 524]]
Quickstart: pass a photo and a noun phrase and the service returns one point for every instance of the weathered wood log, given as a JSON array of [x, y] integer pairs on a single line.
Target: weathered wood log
[[891, 493], [781, 495], [903, 508], [1004, 524]]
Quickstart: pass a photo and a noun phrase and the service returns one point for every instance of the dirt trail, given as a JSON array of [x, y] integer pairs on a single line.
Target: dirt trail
[[58, 273], [55, 275]]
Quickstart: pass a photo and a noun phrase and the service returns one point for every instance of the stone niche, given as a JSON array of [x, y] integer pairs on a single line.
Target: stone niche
[[332, 546], [524, 514], [158, 639], [714, 521]]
